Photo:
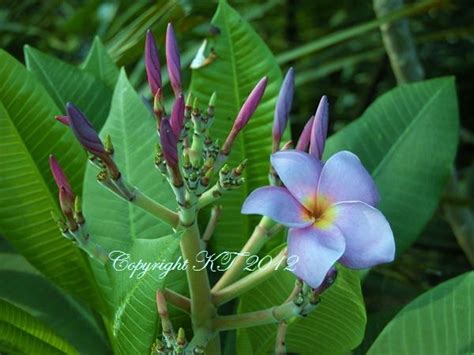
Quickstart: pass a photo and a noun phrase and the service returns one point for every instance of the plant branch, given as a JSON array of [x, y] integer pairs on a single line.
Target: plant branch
[[268, 316], [178, 300], [248, 282], [254, 244], [156, 209]]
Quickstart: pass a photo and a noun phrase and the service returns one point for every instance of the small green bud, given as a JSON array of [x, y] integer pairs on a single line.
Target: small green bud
[[102, 175], [212, 100], [109, 147]]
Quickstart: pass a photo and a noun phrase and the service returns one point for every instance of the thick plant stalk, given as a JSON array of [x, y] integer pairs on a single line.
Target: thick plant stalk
[[248, 282], [202, 310], [399, 43]]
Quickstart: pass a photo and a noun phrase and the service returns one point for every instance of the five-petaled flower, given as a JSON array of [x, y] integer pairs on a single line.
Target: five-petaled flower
[[329, 209]]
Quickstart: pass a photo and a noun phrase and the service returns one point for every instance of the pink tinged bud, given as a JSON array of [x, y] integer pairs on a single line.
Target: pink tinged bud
[[63, 119], [305, 136], [169, 144], [177, 116], [247, 110], [319, 130], [172, 60], [85, 132], [58, 174], [66, 196], [152, 64], [283, 106]]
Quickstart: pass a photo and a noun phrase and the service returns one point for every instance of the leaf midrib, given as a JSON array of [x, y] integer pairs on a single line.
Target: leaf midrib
[[245, 187], [407, 130]]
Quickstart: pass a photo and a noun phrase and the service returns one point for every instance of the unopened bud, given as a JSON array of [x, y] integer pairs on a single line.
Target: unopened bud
[[320, 129], [152, 64], [305, 136], [173, 61], [63, 119]]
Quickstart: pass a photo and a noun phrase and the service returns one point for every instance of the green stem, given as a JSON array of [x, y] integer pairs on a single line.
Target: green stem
[[250, 281], [280, 343], [156, 209], [254, 244], [178, 300], [268, 316], [210, 196], [202, 310]]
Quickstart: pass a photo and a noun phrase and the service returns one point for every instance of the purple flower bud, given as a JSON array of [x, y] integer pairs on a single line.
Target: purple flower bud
[[319, 130], [59, 176], [247, 110], [152, 64], [84, 131], [169, 144], [177, 116], [63, 119], [66, 196], [283, 107], [172, 60], [305, 136]]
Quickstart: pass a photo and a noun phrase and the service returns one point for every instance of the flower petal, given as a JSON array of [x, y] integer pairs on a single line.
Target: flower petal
[[317, 250], [299, 172], [278, 204], [369, 238], [344, 178]]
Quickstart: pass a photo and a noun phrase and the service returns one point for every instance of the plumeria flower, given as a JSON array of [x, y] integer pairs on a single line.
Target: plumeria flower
[[329, 209]]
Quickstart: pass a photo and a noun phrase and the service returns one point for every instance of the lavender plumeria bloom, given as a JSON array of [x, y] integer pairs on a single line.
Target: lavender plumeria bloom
[[152, 64], [246, 111], [329, 210], [177, 116], [319, 130], [283, 107], [173, 61]]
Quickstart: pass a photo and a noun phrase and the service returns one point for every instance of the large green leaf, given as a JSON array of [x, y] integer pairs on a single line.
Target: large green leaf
[[28, 290], [101, 65], [335, 327], [242, 59], [395, 138], [20, 333], [66, 83], [27, 190], [440, 321], [119, 225]]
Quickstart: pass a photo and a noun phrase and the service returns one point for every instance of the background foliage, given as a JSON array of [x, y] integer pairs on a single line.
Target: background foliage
[[336, 49]]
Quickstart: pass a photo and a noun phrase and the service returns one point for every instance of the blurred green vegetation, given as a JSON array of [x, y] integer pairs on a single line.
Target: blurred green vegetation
[[352, 73]]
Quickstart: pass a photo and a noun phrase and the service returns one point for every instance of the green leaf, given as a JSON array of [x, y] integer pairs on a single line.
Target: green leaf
[[127, 44], [27, 190], [28, 290], [336, 326], [118, 225], [242, 60], [135, 321], [100, 64], [395, 139], [20, 333], [66, 83], [440, 321]]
